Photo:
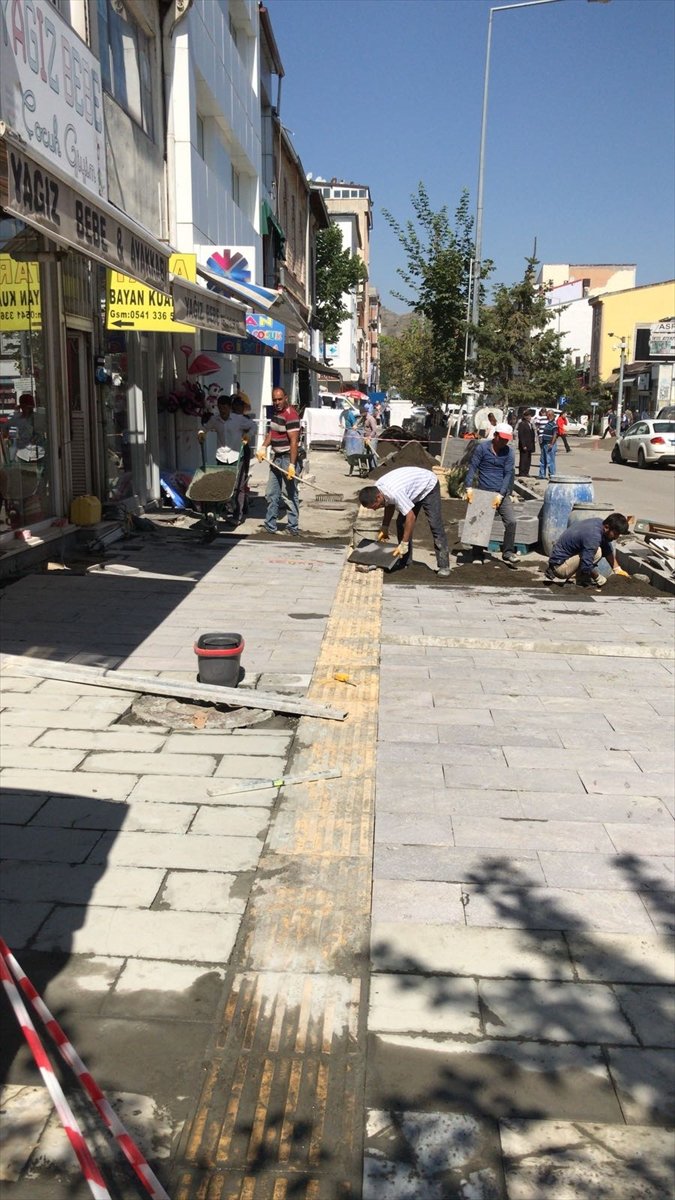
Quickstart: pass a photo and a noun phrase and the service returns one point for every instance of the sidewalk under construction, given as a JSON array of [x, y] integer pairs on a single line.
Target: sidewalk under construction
[[445, 973]]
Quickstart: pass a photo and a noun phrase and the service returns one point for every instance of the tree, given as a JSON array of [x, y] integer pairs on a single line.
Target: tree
[[337, 272], [437, 274], [407, 362], [520, 358]]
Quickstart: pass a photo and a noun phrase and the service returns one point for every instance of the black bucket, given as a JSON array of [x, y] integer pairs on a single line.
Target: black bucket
[[219, 656]]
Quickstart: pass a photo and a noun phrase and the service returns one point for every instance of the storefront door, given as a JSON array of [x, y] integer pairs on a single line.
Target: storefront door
[[79, 359]]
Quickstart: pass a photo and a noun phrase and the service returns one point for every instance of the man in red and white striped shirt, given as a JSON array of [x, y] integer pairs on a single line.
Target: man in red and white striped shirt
[[283, 439]]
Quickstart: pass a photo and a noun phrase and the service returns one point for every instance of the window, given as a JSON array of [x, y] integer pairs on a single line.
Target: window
[[200, 136], [125, 63], [236, 182]]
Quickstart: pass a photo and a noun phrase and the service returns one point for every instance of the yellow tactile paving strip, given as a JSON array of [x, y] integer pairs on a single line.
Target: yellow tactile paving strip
[[281, 1110]]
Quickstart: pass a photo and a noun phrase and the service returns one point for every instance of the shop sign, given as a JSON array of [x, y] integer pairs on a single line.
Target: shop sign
[[20, 302], [46, 201], [132, 305], [264, 329], [246, 345], [198, 306], [51, 94], [234, 268], [662, 339]]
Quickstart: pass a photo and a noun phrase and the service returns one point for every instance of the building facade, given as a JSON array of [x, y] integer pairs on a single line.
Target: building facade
[[633, 315], [350, 207]]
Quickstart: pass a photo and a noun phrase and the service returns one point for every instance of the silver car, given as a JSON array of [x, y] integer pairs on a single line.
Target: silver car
[[647, 443]]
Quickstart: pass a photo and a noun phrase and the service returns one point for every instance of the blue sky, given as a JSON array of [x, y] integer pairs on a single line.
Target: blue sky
[[580, 138]]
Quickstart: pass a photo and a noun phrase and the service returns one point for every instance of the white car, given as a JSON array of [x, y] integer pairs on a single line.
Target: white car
[[574, 427], [647, 443]]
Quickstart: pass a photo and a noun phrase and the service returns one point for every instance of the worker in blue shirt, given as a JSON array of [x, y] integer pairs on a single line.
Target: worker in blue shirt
[[493, 465], [582, 546]]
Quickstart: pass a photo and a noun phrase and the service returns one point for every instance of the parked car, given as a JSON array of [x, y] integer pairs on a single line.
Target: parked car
[[574, 427], [647, 443]]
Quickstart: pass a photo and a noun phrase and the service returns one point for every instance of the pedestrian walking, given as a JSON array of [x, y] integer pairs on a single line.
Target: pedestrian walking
[[610, 427], [526, 443], [368, 424], [406, 491], [548, 443], [582, 546], [493, 465], [283, 441], [561, 425]]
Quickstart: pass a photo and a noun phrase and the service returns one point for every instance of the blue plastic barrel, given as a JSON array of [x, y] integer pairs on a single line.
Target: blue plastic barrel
[[354, 442], [562, 493]]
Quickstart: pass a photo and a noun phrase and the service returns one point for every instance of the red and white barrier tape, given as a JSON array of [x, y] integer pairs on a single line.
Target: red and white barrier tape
[[86, 1080], [88, 1166]]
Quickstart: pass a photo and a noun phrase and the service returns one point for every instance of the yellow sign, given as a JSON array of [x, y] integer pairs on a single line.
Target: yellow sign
[[134, 305], [20, 304]]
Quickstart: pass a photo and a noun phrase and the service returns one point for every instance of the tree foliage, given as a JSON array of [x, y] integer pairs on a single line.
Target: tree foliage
[[407, 362], [437, 274], [519, 356], [337, 272]]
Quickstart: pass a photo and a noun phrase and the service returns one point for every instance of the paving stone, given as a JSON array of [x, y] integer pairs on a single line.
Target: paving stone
[[551, 1011], [207, 853], [22, 701], [179, 790], [423, 1004], [633, 839], [17, 809], [550, 806], [555, 908], [418, 732], [234, 822], [645, 1084], [123, 887], [651, 1012], [45, 719], [563, 1161], [406, 797], [32, 844], [62, 687], [80, 813], [18, 735], [21, 920], [180, 991], [623, 957], [493, 1078], [137, 933], [426, 774], [41, 760], [610, 871], [500, 833], [150, 764], [478, 774], [111, 704], [269, 745], [447, 863], [248, 767], [69, 783], [445, 752], [203, 891], [459, 950], [121, 737], [661, 909], [417, 900], [656, 783], [417, 1154], [550, 759], [413, 829], [25, 1112], [17, 683]]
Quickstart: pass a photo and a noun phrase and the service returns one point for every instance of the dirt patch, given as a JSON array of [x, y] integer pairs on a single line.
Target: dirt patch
[[495, 573], [411, 455]]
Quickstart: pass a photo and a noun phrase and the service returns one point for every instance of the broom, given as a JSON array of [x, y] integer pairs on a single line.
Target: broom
[[327, 497]]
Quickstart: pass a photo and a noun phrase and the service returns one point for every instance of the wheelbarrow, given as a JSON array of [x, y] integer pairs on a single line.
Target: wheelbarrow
[[356, 452], [211, 488]]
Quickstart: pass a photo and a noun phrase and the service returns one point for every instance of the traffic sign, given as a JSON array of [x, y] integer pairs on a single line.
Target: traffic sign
[[134, 305]]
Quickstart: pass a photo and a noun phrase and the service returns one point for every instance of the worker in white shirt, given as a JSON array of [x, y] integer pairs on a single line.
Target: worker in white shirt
[[230, 429], [405, 491]]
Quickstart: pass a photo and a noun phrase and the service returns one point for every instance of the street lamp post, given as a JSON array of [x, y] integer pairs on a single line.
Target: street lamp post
[[474, 283], [619, 398]]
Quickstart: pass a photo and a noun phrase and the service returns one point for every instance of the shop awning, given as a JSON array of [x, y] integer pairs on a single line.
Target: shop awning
[[47, 200], [248, 293], [270, 224], [206, 309], [315, 364]]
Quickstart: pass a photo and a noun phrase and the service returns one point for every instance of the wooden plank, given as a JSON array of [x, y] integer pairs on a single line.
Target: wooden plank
[[128, 682], [478, 521]]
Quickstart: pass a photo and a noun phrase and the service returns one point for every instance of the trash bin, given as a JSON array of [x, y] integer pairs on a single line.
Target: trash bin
[[219, 656]]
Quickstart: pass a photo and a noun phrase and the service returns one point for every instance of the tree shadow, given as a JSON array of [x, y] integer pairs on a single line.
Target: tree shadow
[[582, 1042]]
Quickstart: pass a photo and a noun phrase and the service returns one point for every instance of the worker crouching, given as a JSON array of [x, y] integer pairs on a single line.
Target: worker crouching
[[582, 546], [405, 491]]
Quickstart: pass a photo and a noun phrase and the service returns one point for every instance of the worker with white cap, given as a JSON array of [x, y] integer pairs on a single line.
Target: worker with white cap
[[493, 466]]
